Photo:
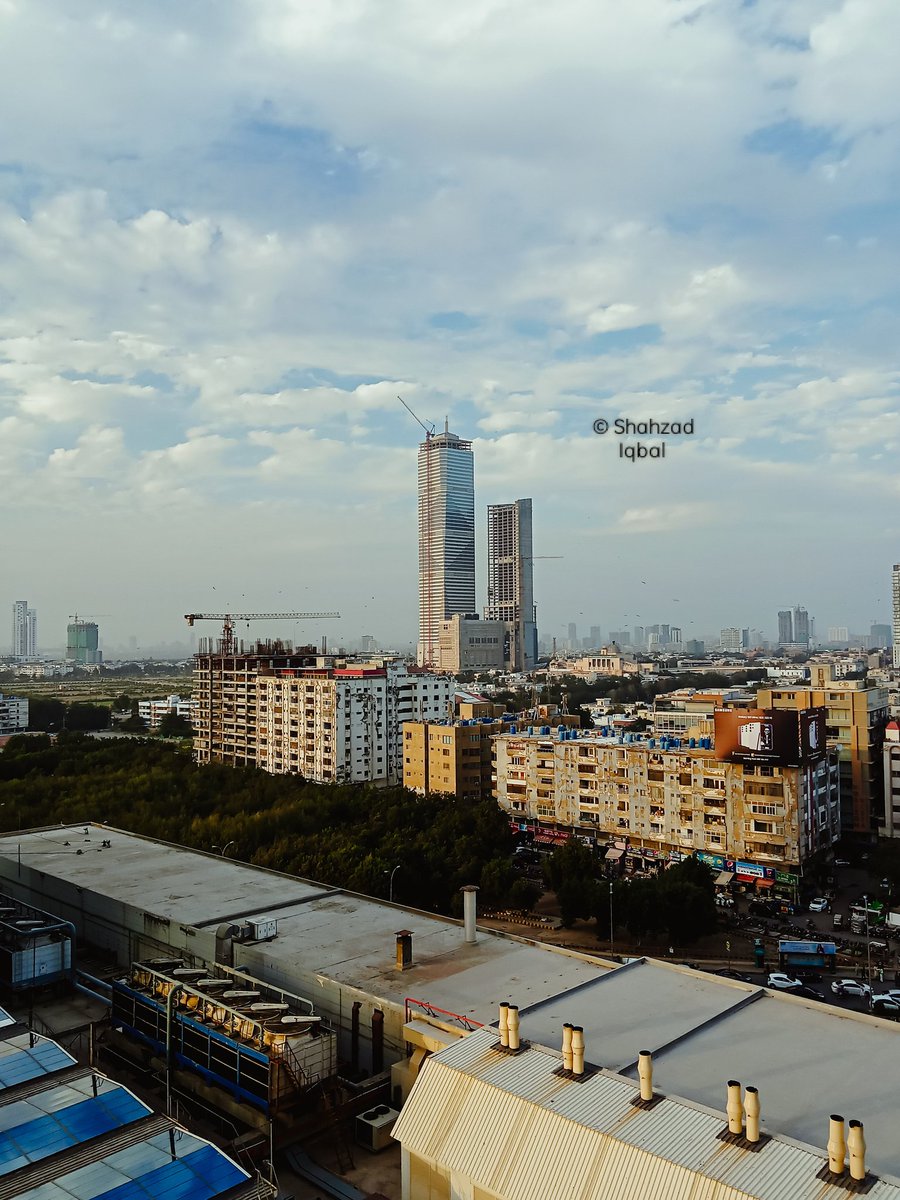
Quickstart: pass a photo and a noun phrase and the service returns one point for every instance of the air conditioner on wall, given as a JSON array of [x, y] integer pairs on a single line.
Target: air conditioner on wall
[[373, 1127]]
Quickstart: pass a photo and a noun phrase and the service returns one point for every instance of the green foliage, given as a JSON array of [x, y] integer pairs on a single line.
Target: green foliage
[[574, 860], [133, 724], [87, 716], [348, 835], [45, 714], [174, 725], [678, 903]]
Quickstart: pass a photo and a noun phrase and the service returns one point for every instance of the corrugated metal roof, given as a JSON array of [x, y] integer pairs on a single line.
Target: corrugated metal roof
[[521, 1132]]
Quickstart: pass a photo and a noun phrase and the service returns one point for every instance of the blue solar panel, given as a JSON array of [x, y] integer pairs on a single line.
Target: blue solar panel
[[204, 1174], [41, 1136], [24, 1062]]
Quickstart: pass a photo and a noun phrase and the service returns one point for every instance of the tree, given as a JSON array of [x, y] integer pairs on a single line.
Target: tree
[[87, 717], [174, 725], [133, 724], [574, 859]]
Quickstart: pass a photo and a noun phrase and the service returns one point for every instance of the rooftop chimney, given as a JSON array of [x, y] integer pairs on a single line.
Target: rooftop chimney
[[504, 1024], [645, 1074], [469, 893], [856, 1144], [514, 1027], [404, 949], [751, 1109], [734, 1108], [567, 1046], [837, 1147], [577, 1050]]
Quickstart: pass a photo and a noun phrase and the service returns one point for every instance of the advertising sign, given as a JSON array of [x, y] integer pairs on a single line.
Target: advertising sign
[[775, 737]]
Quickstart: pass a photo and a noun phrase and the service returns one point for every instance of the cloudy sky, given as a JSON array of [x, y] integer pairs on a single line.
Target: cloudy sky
[[232, 231]]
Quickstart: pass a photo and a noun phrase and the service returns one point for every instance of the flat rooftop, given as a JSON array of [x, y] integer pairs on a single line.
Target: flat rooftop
[[341, 935]]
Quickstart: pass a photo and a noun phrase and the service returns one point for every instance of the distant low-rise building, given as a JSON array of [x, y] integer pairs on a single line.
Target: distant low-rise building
[[13, 714], [153, 711]]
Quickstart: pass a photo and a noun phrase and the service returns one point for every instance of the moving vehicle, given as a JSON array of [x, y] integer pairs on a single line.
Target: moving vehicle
[[728, 973], [850, 987], [885, 1005], [837, 921], [783, 983], [809, 993], [820, 904]]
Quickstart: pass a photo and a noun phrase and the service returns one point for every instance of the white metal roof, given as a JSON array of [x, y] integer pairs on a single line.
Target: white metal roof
[[522, 1133]]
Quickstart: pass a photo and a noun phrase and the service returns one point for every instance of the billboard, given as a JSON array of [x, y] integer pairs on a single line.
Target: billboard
[[774, 736]]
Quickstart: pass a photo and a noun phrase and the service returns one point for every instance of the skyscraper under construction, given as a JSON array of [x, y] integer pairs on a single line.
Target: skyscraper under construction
[[446, 536]]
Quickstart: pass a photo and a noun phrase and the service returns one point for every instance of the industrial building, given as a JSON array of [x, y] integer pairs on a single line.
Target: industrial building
[[510, 579], [420, 994], [531, 1110], [140, 899], [446, 536], [299, 712], [856, 716], [768, 791], [68, 1131]]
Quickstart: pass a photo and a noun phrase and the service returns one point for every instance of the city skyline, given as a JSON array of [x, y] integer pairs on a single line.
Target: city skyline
[[233, 234]]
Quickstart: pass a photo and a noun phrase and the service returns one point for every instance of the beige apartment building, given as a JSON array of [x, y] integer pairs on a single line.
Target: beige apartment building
[[467, 643], [773, 801], [856, 717], [301, 714]]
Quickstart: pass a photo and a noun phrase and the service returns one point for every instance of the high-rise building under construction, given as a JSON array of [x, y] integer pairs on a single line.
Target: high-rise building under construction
[[446, 536]]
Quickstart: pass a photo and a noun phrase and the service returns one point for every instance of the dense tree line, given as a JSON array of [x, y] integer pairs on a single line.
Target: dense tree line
[[349, 835], [620, 689], [678, 904]]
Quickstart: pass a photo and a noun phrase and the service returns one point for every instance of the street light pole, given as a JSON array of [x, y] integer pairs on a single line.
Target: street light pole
[[391, 884], [868, 947], [612, 934]]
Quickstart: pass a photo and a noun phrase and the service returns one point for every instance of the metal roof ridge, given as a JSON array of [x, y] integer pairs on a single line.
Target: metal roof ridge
[[723, 1014]]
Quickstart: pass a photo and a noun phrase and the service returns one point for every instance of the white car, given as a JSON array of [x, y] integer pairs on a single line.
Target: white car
[[785, 983], [820, 904], [885, 1006], [850, 987]]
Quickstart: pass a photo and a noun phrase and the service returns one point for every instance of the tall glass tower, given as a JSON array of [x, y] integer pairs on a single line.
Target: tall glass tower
[[446, 536], [24, 638], [510, 578]]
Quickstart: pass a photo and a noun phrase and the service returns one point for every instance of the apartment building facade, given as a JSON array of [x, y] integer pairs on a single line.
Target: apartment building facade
[[451, 758], [856, 717], [153, 711], [301, 713], [677, 798], [13, 714]]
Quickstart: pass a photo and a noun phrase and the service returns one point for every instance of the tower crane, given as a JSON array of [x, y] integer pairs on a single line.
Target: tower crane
[[228, 621]]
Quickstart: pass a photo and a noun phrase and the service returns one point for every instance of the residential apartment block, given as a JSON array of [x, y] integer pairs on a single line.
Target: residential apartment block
[[24, 631], [856, 716], [298, 712], [510, 579], [153, 711], [769, 794], [13, 714], [891, 758]]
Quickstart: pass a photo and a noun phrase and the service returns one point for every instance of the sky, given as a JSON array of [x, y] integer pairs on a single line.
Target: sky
[[232, 232]]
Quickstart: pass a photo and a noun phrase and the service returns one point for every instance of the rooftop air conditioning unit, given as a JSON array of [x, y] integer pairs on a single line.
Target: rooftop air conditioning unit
[[263, 929], [373, 1127]]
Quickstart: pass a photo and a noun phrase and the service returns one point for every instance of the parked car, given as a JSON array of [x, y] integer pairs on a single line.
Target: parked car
[[808, 992], [725, 901], [837, 921], [728, 973], [820, 904], [885, 1005], [784, 983], [850, 987]]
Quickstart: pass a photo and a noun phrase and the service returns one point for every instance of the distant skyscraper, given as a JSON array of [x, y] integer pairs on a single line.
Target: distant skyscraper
[[510, 578], [596, 640], [879, 636], [802, 630], [730, 640], [839, 634], [446, 536], [895, 579], [573, 636], [82, 641], [24, 630], [785, 627]]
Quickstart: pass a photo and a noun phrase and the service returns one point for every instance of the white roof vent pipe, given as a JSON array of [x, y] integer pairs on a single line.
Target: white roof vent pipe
[[577, 1050], [645, 1075], [469, 893], [751, 1110], [734, 1108], [837, 1146], [513, 1027], [504, 1024], [567, 1046], [856, 1145]]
